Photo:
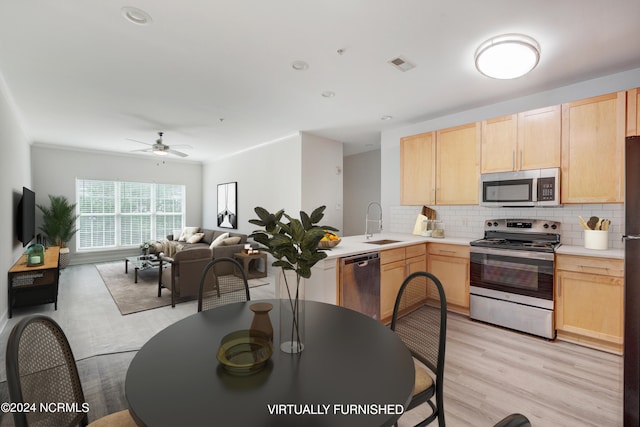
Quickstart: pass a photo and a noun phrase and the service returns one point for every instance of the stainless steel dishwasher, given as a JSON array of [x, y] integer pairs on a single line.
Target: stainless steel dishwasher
[[360, 288]]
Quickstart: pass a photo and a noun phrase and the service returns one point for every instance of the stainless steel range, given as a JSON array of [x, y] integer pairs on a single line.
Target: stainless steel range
[[512, 275]]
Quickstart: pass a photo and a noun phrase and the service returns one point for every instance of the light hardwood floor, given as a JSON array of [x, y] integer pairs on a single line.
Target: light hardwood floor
[[489, 372]]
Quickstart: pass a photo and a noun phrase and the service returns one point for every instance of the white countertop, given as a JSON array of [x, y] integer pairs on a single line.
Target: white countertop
[[353, 245], [582, 251]]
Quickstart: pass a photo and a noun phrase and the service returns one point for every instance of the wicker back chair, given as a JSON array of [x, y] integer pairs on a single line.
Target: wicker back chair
[[514, 420], [420, 319], [230, 284], [41, 370]]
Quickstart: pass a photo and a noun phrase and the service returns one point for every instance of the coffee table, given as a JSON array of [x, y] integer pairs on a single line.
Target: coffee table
[[140, 263]]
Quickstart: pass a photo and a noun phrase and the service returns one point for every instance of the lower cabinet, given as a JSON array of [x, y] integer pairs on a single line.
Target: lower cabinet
[[450, 264], [589, 306], [395, 265]]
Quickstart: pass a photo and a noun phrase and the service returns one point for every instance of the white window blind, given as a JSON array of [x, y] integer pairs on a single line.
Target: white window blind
[[116, 214]]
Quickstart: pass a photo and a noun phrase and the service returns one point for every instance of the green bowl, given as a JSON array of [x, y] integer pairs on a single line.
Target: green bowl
[[244, 352]]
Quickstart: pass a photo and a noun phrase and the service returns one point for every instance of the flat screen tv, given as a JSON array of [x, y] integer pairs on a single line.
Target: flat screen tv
[[26, 218]]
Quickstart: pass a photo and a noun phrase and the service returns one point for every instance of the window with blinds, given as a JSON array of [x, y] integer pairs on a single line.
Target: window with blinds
[[114, 214]]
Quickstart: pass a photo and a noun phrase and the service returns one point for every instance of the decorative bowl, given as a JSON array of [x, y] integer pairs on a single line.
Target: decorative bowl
[[244, 352], [327, 244]]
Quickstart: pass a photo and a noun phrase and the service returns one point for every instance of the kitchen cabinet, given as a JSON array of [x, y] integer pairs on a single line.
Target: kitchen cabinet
[[450, 264], [498, 150], [593, 132], [524, 141], [395, 265], [458, 165], [539, 138], [417, 169], [633, 112], [589, 298]]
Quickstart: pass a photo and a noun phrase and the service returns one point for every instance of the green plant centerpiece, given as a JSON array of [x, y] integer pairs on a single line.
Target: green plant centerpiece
[[59, 224], [294, 245]]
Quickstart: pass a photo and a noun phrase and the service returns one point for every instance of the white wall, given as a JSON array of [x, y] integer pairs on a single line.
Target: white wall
[[269, 176], [55, 170], [15, 172], [361, 186], [322, 178], [396, 217]]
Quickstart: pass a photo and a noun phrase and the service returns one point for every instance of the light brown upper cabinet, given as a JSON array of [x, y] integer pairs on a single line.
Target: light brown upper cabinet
[[528, 140], [458, 165], [417, 169], [593, 132], [633, 112], [499, 144]]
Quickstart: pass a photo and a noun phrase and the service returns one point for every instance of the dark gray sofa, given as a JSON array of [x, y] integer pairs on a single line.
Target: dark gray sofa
[[170, 246]]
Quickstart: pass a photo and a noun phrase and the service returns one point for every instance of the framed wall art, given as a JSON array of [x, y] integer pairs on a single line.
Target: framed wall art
[[228, 205]]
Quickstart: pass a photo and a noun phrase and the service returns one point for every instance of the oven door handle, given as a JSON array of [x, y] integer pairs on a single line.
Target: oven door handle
[[545, 256]]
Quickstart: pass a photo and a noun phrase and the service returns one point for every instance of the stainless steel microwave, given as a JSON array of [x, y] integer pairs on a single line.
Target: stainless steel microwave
[[538, 187]]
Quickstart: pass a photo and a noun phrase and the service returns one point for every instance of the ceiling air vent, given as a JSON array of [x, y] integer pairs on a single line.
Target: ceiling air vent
[[401, 64]]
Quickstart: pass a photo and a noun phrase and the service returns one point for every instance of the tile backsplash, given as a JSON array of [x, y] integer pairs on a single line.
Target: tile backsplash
[[468, 221]]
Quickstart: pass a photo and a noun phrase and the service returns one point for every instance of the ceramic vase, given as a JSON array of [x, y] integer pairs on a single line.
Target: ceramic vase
[[261, 320]]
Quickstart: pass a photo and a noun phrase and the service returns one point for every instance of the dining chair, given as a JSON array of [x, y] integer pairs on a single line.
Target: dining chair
[[514, 420], [229, 284], [41, 370], [420, 320]]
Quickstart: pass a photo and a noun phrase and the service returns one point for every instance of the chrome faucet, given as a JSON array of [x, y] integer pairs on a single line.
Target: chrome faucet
[[368, 234]]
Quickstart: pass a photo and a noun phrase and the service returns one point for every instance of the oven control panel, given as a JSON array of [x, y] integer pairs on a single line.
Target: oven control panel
[[523, 225]]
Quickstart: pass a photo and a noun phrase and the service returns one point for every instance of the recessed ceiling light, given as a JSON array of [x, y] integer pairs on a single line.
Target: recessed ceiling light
[[328, 94], [135, 15], [508, 56], [385, 118], [299, 65]]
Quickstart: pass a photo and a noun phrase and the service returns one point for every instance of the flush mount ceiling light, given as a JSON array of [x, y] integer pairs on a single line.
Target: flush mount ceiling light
[[508, 56], [386, 118], [135, 15], [328, 94]]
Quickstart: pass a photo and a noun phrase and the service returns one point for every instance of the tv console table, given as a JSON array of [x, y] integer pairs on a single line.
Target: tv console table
[[37, 284]]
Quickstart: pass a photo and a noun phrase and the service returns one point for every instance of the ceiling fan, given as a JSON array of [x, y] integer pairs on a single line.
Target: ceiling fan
[[160, 148]]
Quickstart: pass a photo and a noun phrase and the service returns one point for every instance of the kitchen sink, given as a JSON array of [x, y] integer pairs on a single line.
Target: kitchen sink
[[382, 242]]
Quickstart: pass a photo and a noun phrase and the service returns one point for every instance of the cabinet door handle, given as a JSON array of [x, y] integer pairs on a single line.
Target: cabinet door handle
[[520, 160], [513, 159], [559, 288], [446, 251]]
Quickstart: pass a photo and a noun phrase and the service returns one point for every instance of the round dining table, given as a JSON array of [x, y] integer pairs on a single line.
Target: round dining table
[[353, 372]]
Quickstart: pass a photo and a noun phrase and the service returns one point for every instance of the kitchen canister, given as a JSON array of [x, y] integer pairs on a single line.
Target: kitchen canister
[[596, 239]]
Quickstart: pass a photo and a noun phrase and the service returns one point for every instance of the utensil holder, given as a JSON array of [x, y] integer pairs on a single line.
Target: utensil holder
[[596, 239]]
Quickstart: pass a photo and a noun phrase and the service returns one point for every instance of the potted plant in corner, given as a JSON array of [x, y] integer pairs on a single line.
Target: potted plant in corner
[[294, 245], [59, 224]]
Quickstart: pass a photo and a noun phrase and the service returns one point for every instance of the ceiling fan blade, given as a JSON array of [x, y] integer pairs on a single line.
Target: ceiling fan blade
[[144, 150], [177, 153], [188, 147], [141, 142]]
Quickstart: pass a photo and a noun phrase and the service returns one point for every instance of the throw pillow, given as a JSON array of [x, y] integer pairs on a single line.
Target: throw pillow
[[195, 238], [176, 234], [218, 240], [231, 241], [187, 233]]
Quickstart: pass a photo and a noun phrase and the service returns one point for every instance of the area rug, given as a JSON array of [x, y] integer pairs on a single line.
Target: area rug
[[133, 297]]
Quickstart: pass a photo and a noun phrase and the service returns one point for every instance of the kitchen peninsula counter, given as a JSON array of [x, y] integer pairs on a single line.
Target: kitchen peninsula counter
[[353, 245]]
